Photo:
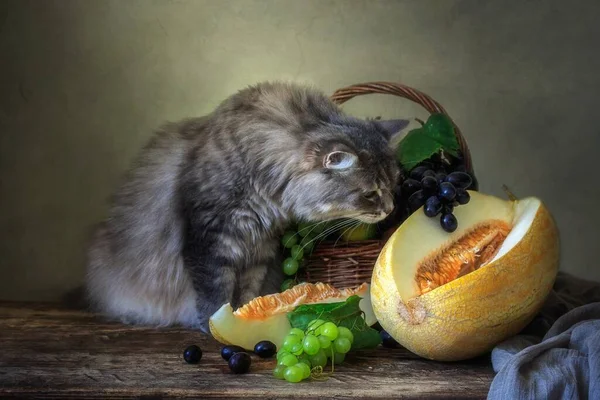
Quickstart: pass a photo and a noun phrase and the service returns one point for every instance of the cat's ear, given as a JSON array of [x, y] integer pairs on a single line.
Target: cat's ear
[[393, 129], [340, 160]]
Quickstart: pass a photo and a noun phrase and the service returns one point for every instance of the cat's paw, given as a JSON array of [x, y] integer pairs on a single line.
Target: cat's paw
[[197, 323], [245, 298], [201, 325], [204, 327]]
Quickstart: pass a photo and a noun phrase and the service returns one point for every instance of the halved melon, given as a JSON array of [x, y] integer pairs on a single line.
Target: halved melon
[[454, 296], [265, 317]]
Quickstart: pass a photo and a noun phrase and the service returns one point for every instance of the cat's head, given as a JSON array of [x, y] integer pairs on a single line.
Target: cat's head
[[319, 162], [349, 170]]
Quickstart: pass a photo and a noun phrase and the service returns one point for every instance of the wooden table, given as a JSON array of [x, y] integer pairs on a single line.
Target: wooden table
[[48, 351]]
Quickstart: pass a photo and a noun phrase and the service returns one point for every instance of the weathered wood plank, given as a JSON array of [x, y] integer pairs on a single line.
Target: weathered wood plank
[[49, 352]]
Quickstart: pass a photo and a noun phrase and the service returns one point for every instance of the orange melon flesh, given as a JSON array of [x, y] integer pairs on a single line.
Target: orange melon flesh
[[265, 317], [454, 296]]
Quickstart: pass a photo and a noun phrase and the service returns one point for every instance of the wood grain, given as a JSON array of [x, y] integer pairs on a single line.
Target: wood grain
[[51, 352]]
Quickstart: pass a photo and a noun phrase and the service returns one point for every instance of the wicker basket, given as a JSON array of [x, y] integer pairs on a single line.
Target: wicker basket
[[349, 264]]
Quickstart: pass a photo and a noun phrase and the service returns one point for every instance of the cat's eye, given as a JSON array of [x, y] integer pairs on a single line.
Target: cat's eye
[[371, 196]]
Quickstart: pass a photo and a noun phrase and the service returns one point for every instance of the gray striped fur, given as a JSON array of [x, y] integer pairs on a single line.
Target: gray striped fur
[[198, 219]]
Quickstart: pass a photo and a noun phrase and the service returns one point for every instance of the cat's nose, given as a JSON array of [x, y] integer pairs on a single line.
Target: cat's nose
[[388, 205]]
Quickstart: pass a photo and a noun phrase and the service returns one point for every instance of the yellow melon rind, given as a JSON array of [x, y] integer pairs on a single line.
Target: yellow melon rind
[[468, 316]]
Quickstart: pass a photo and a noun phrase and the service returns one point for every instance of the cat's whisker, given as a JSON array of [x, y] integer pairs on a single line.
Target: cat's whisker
[[341, 234], [352, 228], [329, 230], [349, 222], [356, 226], [313, 226]]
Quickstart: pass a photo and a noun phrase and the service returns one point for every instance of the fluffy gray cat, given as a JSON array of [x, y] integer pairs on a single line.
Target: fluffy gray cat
[[198, 221]]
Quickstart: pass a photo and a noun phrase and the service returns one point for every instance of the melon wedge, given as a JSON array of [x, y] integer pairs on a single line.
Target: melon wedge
[[451, 297], [265, 317]]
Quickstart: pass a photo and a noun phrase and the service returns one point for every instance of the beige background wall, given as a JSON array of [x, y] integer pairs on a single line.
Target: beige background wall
[[83, 83]]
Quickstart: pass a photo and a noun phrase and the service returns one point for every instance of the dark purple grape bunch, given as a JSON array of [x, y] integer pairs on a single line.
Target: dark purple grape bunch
[[437, 192]]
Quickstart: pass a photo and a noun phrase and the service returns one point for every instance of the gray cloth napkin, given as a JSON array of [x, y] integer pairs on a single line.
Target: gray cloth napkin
[[558, 355]]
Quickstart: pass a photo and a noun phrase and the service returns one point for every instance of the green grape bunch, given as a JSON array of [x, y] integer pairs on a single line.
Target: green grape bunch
[[305, 353]]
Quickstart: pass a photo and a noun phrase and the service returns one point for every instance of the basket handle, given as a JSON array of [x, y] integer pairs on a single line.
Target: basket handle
[[341, 96]]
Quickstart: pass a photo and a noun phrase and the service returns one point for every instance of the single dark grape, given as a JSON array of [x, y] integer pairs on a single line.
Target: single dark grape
[[416, 200], [417, 172], [265, 349], [448, 222], [462, 196], [387, 340], [230, 350], [410, 186], [460, 180], [433, 206], [429, 172], [430, 184], [239, 363], [192, 354], [447, 191], [440, 176], [447, 208]]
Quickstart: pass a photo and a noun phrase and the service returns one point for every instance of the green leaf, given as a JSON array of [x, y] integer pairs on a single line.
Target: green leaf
[[441, 128], [416, 147], [346, 314], [420, 144]]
